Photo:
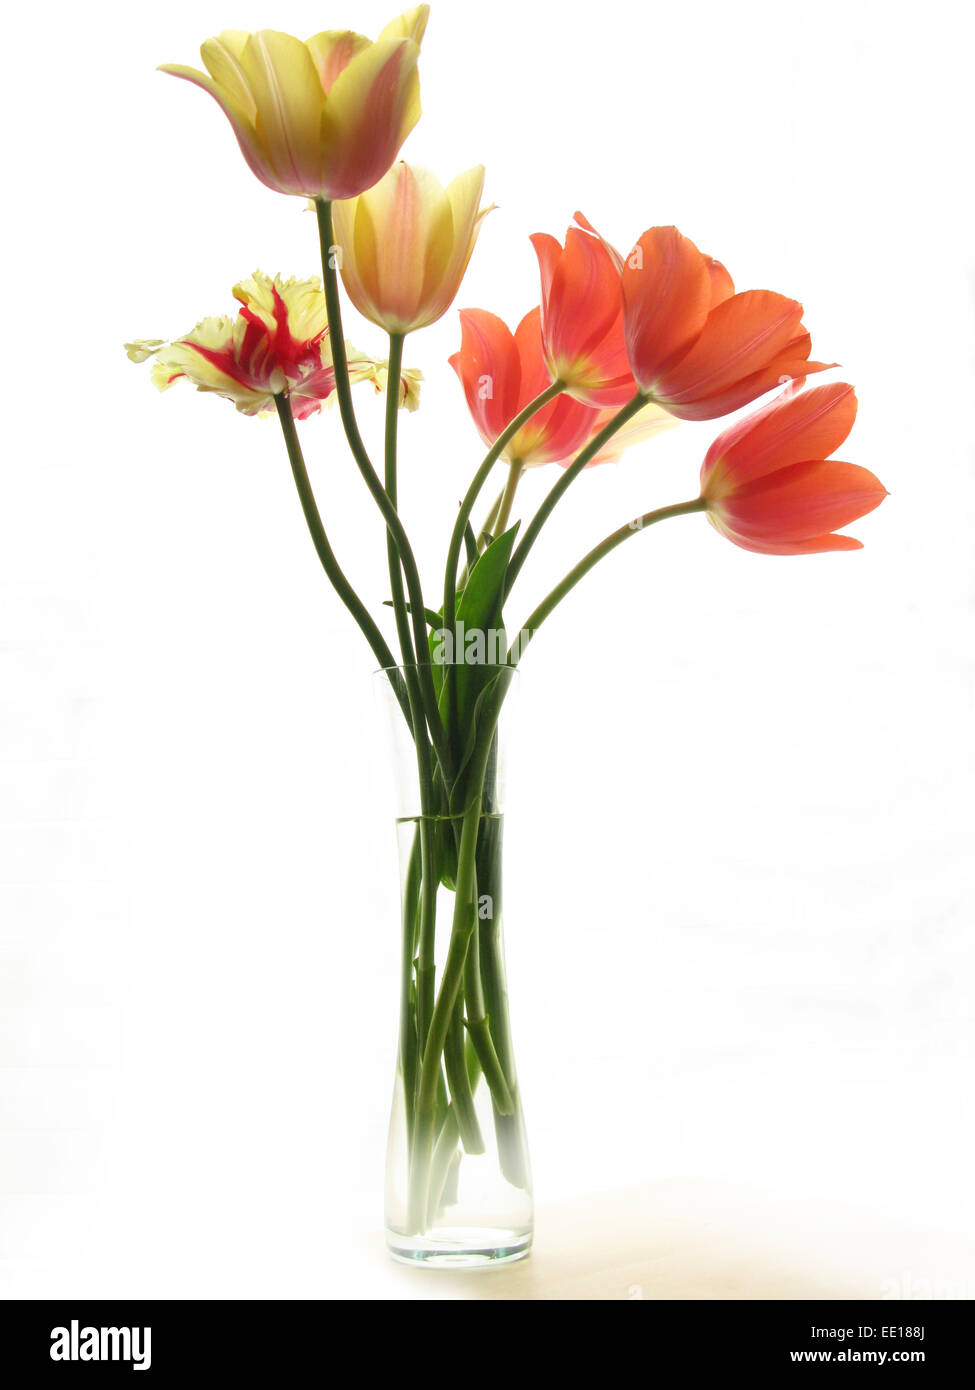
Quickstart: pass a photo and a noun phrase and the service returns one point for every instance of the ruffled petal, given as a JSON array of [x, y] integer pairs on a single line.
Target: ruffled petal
[[140, 349]]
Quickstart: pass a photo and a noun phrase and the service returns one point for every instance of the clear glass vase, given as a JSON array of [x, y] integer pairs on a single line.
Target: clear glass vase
[[458, 1183]]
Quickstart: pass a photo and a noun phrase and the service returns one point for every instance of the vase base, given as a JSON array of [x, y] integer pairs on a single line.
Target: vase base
[[460, 1248]]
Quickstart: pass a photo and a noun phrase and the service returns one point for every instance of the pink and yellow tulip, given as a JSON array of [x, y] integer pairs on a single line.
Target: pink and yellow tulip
[[405, 244], [324, 117]]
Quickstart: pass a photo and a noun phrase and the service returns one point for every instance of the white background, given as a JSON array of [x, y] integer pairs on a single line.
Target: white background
[[739, 884]]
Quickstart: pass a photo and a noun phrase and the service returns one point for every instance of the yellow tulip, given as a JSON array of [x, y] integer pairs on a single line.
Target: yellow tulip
[[319, 118], [405, 244]]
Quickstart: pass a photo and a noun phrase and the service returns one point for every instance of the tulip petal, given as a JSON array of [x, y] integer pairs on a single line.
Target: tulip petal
[[282, 77], [582, 321], [812, 546], [528, 339], [221, 57], [208, 357], [489, 368], [743, 335], [586, 278], [722, 285], [371, 108], [332, 51], [411, 24], [548, 251], [612, 252], [800, 501], [558, 431], [406, 243], [143, 348], [792, 428], [450, 244], [749, 389], [666, 285], [407, 222], [242, 127]]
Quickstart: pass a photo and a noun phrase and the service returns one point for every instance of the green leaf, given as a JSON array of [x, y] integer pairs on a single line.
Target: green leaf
[[479, 610], [435, 620], [469, 734]]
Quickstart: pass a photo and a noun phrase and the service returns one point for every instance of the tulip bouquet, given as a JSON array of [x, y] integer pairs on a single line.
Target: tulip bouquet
[[619, 348]]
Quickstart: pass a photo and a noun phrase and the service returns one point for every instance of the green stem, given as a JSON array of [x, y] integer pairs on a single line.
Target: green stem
[[489, 529], [463, 517], [478, 1022], [565, 482], [324, 550], [444, 1156], [414, 694], [426, 959], [400, 611], [459, 1083], [508, 1123], [462, 929], [632, 528], [409, 1054], [343, 391], [515, 470], [430, 874]]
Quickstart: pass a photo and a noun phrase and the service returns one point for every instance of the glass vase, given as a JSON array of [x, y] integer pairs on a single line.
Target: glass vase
[[458, 1183]]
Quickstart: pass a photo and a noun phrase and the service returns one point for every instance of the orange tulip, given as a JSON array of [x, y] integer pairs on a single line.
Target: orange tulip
[[582, 316], [320, 118], [769, 485], [695, 346], [501, 372]]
